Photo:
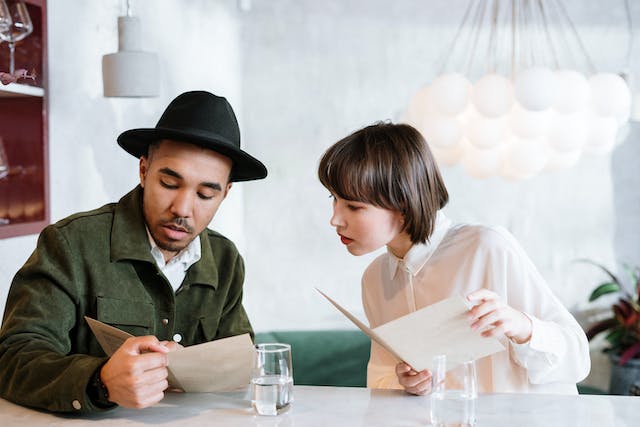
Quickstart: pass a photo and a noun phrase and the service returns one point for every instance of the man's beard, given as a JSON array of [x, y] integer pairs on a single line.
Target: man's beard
[[182, 225]]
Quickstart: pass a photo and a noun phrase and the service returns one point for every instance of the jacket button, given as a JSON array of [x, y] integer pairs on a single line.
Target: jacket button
[[177, 337], [165, 322], [76, 405]]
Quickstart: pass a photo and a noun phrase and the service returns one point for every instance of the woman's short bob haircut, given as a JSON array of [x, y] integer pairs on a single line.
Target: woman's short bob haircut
[[390, 166]]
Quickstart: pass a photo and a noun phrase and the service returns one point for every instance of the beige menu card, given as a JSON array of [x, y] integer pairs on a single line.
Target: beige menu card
[[440, 328], [220, 365]]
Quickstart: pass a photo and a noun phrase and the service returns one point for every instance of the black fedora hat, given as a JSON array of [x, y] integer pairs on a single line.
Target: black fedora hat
[[200, 118]]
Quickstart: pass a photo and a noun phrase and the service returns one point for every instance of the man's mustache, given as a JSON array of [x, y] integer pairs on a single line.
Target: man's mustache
[[180, 223]]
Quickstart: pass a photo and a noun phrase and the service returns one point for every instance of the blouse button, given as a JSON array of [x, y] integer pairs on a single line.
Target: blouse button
[[76, 405], [177, 337], [165, 322]]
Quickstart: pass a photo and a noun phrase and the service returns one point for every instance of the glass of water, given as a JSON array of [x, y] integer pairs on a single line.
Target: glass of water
[[453, 393], [272, 379]]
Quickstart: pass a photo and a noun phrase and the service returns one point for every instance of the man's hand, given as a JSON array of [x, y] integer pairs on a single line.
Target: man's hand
[[136, 374], [171, 345], [493, 317], [413, 382]]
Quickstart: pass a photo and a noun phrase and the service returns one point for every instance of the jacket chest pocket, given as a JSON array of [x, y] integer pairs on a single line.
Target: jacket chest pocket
[[134, 317], [209, 326]]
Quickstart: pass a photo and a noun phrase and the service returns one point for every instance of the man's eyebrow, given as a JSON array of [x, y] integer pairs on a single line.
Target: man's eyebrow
[[213, 185], [169, 171]]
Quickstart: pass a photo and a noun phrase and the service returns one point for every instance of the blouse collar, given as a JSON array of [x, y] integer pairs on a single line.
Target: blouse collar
[[420, 253]]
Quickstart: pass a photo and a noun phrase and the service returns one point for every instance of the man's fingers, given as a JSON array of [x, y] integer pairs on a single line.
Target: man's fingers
[[171, 345], [150, 361], [154, 376], [144, 344]]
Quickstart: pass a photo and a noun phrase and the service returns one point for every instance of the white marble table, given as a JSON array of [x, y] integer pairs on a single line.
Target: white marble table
[[341, 406]]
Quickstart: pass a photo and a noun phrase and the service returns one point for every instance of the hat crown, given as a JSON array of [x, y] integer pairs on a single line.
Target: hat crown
[[200, 118], [204, 114]]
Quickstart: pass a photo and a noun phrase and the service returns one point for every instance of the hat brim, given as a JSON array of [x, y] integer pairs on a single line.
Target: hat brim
[[245, 167]]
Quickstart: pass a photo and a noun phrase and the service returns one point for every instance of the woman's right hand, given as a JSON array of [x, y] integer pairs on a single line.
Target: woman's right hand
[[414, 382]]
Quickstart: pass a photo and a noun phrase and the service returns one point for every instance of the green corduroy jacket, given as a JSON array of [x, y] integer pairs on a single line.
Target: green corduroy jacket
[[98, 264]]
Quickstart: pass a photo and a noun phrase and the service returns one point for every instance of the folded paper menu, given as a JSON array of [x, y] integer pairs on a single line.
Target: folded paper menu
[[440, 328], [220, 365]]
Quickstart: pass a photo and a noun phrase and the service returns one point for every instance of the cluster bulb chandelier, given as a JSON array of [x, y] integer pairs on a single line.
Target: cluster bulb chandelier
[[526, 113]]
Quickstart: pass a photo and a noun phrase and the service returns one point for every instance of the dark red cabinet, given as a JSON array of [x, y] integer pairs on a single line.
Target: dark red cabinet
[[24, 192]]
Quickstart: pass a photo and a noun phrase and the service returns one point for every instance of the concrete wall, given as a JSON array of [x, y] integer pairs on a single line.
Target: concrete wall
[[302, 74]]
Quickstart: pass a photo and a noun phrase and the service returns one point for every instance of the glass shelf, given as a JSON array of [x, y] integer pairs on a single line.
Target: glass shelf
[[16, 90]]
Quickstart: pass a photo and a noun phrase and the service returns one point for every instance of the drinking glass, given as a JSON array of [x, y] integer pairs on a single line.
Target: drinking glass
[[19, 28], [4, 188], [4, 162], [5, 17], [272, 379], [453, 393]]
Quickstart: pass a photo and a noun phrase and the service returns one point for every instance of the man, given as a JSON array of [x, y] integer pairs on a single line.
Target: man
[[147, 265]]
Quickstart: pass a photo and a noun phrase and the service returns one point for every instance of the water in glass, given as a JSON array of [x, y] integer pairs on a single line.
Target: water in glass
[[272, 394], [272, 379], [452, 409], [453, 393]]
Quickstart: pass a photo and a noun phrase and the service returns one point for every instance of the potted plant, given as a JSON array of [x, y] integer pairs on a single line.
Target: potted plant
[[622, 328]]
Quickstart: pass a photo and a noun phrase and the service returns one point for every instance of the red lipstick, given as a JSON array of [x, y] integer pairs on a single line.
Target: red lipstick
[[345, 240]]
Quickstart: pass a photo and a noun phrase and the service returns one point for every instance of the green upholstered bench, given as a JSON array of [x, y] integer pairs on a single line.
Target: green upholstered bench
[[335, 357], [585, 389], [325, 357]]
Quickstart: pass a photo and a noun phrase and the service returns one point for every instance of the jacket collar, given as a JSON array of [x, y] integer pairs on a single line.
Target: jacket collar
[[129, 240]]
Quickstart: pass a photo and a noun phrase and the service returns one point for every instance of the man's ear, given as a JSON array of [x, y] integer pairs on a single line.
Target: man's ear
[[226, 190], [144, 168]]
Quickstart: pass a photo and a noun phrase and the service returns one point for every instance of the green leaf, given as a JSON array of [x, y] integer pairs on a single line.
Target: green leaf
[[603, 289], [615, 336]]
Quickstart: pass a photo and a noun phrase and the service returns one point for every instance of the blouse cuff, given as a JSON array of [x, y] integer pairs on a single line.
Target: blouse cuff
[[541, 349]]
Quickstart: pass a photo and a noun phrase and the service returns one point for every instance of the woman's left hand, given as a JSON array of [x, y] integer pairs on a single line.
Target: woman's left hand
[[493, 317]]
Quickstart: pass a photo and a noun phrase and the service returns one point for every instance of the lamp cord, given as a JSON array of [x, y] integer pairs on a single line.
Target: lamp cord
[[449, 52], [565, 15], [627, 65]]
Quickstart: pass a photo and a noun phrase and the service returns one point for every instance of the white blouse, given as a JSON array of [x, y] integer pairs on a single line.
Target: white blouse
[[460, 259]]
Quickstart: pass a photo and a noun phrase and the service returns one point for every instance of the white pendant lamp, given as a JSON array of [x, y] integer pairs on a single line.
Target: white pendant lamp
[[525, 112], [130, 72]]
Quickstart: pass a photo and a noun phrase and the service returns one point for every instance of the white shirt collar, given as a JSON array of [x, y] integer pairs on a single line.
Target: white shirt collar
[[187, 257], [420, 253]]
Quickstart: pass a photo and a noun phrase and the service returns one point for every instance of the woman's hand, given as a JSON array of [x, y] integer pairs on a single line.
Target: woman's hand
[[493, 317], [413, 382]]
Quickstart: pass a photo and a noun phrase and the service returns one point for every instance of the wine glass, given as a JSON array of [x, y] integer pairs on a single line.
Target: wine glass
[[4, 173], [4, 162], [20, 27], [5, 17]]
